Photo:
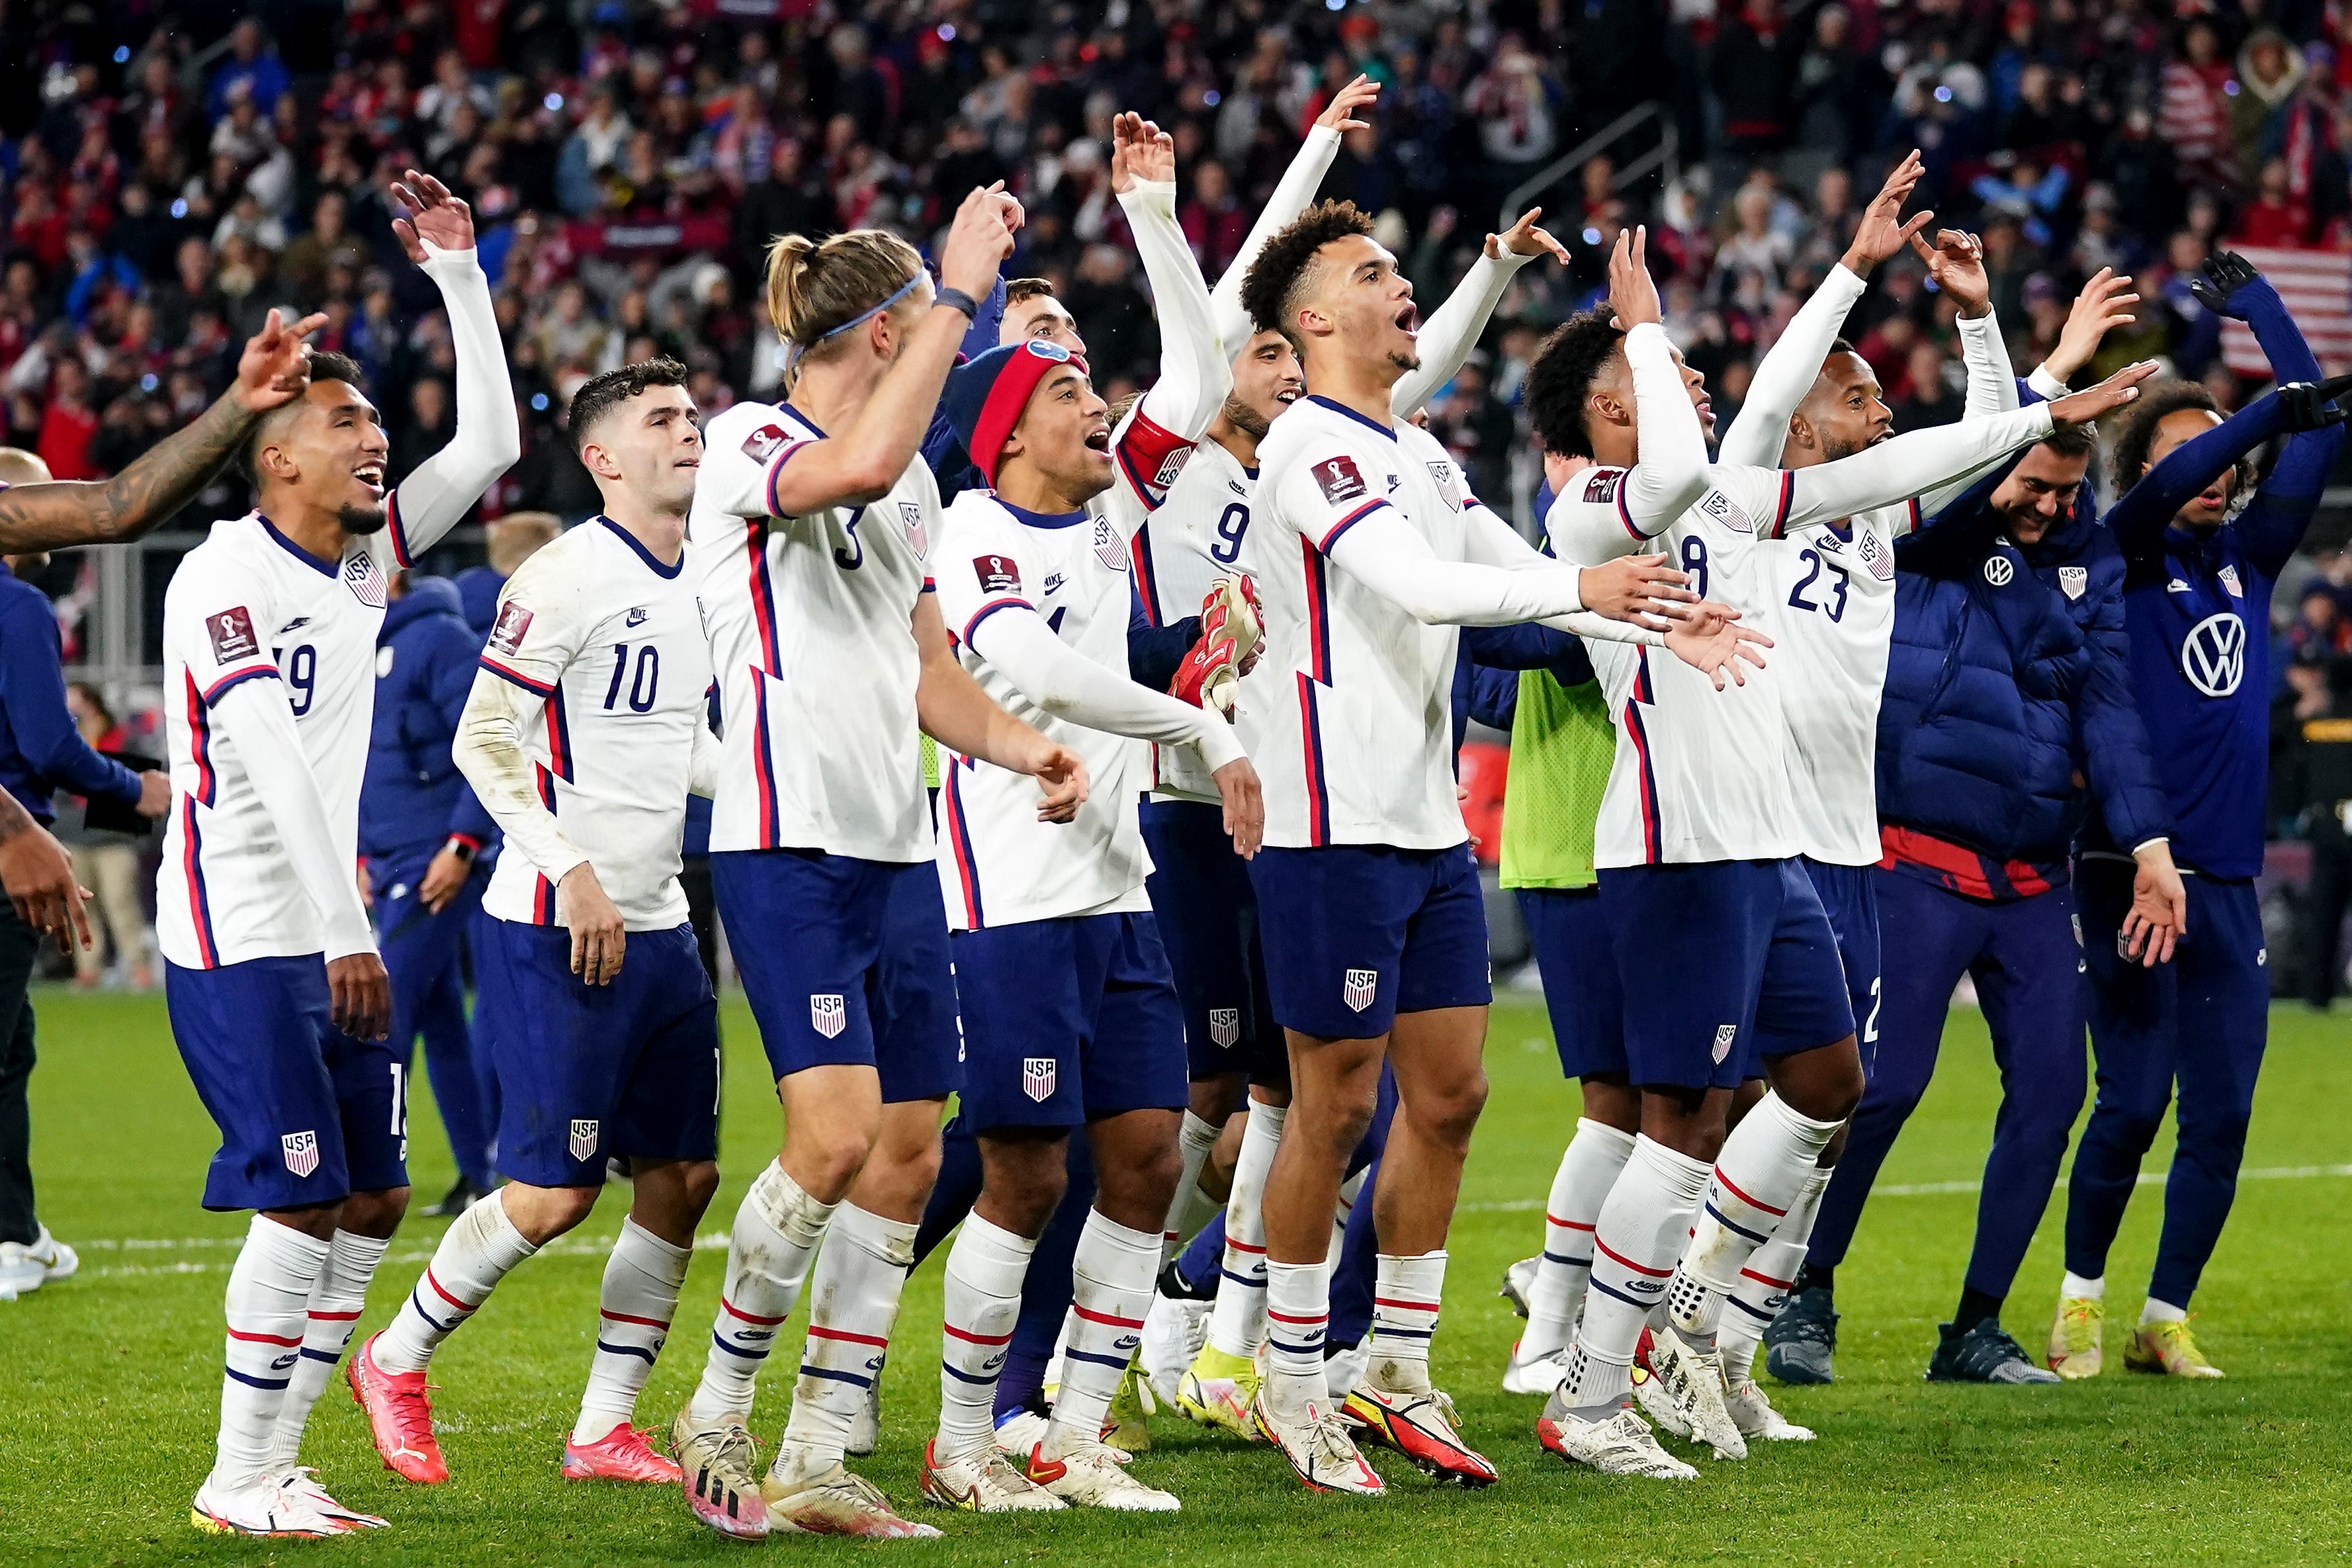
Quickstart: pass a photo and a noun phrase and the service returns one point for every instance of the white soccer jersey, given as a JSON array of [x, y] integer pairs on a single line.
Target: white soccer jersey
[[1180, 548], [249, 604], [1349, 714], [1003, 866], [811, 631], [611, 642]]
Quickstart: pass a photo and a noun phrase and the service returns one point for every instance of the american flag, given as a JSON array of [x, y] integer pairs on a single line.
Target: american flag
[[2317, 288]]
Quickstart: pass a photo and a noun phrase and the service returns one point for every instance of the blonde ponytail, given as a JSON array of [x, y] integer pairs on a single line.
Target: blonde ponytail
[[817, 288]]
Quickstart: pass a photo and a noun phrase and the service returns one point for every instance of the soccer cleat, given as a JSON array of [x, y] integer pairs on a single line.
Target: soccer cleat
[[1984, 1354], [1620, 1444], [302, 1482], [1657, 1405], [719, 1471], [1519, 1284], [835, 1502], [2074, 1349], [1094, 1475], [1316, 1444], [1693, 1379], [986, 1480], [2168, 1348], [1125, 1424], [57, 1260], [866, 1426], [621, 1455], [1754, 1416], [265, 1508], [20, 1271], [1174, 1331], [462, 1195], [1216, 1391], [1534, 1375], [1423, 1429], [1800, 1340], [400, 1417]]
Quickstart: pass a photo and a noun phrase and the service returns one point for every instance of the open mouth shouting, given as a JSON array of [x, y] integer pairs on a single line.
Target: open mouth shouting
[[371, 474]]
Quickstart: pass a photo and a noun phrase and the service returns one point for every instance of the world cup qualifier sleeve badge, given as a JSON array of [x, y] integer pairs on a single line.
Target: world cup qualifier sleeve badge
[[301, 1152]]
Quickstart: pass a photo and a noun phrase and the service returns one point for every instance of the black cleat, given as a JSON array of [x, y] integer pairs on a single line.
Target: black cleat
[[1800, 1342], [1176, 1288], [1984, 1354], [461, 1197]]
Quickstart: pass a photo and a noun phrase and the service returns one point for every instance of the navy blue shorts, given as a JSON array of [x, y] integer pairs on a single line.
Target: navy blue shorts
[[307, 1114], [1356, 933], [1849, 896], [1207, 911], [1718, 954], [587, 1071], [844, 962], [1569, 935], [1066, 1021]]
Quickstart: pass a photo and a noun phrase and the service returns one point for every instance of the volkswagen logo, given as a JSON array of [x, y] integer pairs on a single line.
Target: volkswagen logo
[[2213, 656], [1998, 571]]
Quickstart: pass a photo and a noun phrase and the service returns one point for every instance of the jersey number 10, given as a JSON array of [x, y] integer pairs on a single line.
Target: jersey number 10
[[642, 684]]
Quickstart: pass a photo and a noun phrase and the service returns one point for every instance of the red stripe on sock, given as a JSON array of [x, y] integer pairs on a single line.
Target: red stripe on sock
[[875, 1340], [624, 1318], [461, 1306], [1565, 1224], [1287, 1317], [1245, 1247], [294, 1343], [1110, 1319], [955, 1333], [1619, 1258], [734, 1311], [1398, 1301], [1729, 1187], [332, 1316], [1766, 1280]]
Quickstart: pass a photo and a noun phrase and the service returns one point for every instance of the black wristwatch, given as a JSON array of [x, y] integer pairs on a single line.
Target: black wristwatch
[[461, 846], [957, 299]]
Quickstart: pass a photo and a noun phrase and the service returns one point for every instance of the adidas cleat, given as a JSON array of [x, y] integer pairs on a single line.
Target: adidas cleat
[[1985, 1353], [1519, 1284], [1801, 1341], [621, 1455], [719, 1472], [1094, 1475], [1423, 1429], [1217, 1390], [1534, 1375], [2074, 1349], [302, 1483], [1692, 1379], [265, 1508], [1657, 1405], [1619, 1444], [1754, 1416], [400, 1417], [1316, 1444], [2166, 1348], [986, 1480], [834, 1502], [1175, 1330]]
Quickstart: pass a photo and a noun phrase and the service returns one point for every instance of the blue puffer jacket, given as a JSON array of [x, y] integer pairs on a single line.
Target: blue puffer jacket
[[414, 797]]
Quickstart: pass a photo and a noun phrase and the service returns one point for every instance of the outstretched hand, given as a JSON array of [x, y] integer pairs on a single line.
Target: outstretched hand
[[2102, 306], [1523, 238], [1955, 261], [1884, 230], [275, 366], [1139, 150], [2226, 273], [2082, 407], [1712, 641], [1339, 114], [1632, 292], [433, 214]]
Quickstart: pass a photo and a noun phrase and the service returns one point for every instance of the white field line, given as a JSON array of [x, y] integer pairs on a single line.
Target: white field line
[[137, 1247], [1930, 1189]]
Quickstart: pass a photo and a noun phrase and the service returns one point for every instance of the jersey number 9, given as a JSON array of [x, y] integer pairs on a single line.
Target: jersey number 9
[[1230, 528], [301, 672]]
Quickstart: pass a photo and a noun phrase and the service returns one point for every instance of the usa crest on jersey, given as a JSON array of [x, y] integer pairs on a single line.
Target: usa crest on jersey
[[1877, 557], [1357, 989], [301, 1150], [1443, 473], [1110, 549], [364, 581], [1225, 1026], [911, 514], [1037, 1078], [582, 1142], [828, 1015]]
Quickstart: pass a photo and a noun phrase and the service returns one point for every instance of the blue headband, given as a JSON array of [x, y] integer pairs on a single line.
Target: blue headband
[[797, 350]]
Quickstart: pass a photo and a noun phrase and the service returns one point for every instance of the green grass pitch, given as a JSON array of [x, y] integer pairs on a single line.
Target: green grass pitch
[[108, 1384]]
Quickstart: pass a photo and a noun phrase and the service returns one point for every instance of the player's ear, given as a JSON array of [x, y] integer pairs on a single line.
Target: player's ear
[[599, 462]]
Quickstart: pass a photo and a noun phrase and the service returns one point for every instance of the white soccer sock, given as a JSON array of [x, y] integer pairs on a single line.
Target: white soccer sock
[[1587, 1171], [1237, 1323], [1349, 1191], [1297, 1315], [473, 1257], [1763, 1166], [776, 1233], [985, 1268], [1766, 1282], [1640, 1232], [1189, 1209], [1111, 1281], [853, 1303], [336, 1303], [1406, 1293], [2157, 1312], [2076, 1284], [633, 1309], [268, 1296]]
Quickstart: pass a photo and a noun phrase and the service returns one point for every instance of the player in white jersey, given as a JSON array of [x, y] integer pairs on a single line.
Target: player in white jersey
[[1069, 1010], [1696, 844], [583, 736], [278, 999], [811, 529], [1368, 555]]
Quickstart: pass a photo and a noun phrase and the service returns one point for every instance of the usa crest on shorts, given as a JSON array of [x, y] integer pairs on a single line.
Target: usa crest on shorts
[[829, 1014], [1724, 1035], [301, 1152], [1225, 1026], [1358, 988], [1037, 1078], [584, 1139]]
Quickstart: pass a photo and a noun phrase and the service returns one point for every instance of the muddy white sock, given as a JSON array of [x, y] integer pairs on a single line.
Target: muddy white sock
[[853, 1305], [1237, 1321], [633, 1309], [1762, 1168], [336, 1303], [1405, 1296], [1110, 1279], [1765, 1282], [985, 1269], [1640, 1232], [775, 1236], [1587, 1171]]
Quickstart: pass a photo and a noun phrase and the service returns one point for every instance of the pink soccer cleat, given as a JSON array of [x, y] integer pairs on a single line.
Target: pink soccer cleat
[[400, 1417], [621, 1455]]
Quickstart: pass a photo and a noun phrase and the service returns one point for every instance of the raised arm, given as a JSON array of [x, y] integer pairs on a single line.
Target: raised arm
[[2272, 525], [1449, 334], [1291, 195], [61, 514], [438, 235], [1194, 375]]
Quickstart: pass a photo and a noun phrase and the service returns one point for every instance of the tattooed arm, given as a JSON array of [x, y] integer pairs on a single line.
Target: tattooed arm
[[39, 877], [58, 515]]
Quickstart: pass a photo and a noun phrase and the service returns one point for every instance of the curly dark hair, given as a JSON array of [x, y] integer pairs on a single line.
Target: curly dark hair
[[1561, 378], [1270, 287], [2139, 435], [325, 365], [599, 395]]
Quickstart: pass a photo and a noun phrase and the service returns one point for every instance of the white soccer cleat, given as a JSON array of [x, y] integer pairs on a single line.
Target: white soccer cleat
[[20, 1271], [1754, 1416], [1094, 1475], [1519, 1284], [1174, 1329], [1658, 1405], [1693, 1379], [1534, 1375], [986, 1480], [264, 1508], [1619, 1444], [835, 1502], [303, 1482], [57, 1260], [1316, 1442]]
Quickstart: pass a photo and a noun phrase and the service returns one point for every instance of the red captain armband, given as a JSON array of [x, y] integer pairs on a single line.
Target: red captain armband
[[1151, 459]]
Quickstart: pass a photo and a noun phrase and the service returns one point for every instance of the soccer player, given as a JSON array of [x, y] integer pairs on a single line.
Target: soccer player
[[2199, 578], [1070, 1014], [584, 735], [277, 999], [1697, 842], [1374, 935], [814, 528]]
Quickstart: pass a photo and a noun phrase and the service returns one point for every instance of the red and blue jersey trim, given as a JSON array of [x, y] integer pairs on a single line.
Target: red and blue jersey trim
[[1319, 613], [1787, 503], [775, 471], [764, 599], [200, 744], [1147, 577], [989, 609], [960, 842], [1653, 829], [1144, 448], [393, 525], [200, 905], [538, 689], [1318, 794], [220, 688], [559, 736], [763, 766], [1332, 535]]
